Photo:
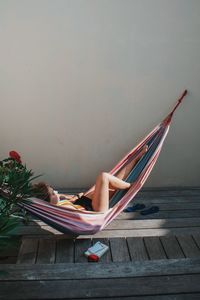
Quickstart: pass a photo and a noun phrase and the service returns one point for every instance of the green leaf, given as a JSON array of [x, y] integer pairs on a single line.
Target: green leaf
[[7, 224]]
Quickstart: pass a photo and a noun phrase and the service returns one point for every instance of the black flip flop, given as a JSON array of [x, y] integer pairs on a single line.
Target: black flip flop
[[135, 207], [151, 210]]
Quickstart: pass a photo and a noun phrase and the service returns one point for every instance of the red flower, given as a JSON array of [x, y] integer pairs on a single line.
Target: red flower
[[13, 154]]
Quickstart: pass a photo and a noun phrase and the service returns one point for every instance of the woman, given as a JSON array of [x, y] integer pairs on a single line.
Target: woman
[[97, 200]]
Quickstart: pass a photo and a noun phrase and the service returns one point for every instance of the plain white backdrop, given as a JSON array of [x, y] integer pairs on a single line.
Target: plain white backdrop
[[82, 81]]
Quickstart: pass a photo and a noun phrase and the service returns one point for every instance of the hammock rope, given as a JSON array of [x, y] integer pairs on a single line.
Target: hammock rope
[[80, 222]]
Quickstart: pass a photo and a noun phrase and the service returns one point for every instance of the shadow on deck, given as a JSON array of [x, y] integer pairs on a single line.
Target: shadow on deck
[[150, 257]]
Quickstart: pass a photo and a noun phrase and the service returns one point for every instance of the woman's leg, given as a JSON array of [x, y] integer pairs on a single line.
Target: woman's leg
[[123, 173], [100, 199]]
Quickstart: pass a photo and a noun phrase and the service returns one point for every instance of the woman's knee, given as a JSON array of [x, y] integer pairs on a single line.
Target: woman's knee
[[104, 176]]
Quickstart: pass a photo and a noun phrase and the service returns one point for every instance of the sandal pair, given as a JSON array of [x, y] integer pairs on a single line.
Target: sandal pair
[[138, 206]]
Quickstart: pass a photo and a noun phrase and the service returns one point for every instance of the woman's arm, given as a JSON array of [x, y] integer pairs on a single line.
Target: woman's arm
[[65, 196], [70, 197]]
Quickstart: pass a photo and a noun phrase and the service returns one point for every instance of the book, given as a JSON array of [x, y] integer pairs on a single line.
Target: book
[[98, 249]]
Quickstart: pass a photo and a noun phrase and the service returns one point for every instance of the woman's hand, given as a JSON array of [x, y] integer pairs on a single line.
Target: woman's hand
[[75, 197], [80, 194]]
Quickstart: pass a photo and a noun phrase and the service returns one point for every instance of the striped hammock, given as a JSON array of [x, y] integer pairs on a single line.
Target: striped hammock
[[82, 222]]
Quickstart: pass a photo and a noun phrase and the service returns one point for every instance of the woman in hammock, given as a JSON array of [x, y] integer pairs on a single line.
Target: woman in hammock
[[97, 200]]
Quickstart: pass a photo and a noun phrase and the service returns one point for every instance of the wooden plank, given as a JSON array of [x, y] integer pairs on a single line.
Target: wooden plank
[[161, 215], [46, 251], [28, 251], [137, 248], [124, 233], [81, 245], [145, 232], [168, 193], [170, 216], [188, 246], [64, 251], [179, 206], [119, 250], [171, 247], [136, 224], [128, 233], [100, 287], [77, 271], [153, 223], [169, 205], [37, 232], [106, 258], [188, 296], [142, 224], [177, 199], [154, 248]]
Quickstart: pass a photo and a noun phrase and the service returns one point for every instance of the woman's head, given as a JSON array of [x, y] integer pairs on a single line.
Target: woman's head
[[44, 191]]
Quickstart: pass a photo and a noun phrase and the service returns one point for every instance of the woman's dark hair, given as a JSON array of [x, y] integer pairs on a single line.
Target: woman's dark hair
[[41, 191]]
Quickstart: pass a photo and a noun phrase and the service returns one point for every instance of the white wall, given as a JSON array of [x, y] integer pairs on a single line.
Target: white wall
[[81, 81]]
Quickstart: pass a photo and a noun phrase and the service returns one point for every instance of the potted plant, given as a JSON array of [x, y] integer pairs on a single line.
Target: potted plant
[[15, 186]]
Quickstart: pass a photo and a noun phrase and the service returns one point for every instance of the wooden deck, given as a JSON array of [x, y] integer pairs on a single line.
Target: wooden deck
[[150, 257]]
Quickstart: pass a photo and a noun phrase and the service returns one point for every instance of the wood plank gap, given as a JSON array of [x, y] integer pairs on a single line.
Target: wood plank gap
[[195, 241], [36, 255], [111, 255], [155, 248], [145, 246], [180, 246], [172, 247], [129, 253], [55, 254], [163, 247], [74, 251], [189, 246], [46, 251], [137, 249], [123, 254]]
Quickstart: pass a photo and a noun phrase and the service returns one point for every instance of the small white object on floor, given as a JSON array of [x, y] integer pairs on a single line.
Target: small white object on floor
[[98, 249]]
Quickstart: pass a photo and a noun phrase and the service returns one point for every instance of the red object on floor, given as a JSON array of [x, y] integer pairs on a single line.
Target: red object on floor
[[93, 258]]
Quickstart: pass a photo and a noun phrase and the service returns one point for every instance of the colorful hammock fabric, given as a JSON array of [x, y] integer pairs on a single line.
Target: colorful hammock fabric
[[74, 221]]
